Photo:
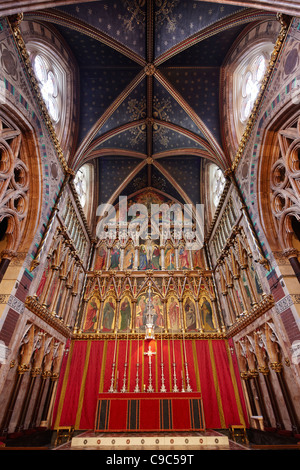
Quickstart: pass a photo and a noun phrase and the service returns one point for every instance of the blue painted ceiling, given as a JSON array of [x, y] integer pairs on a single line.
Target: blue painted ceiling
[[149, 83]]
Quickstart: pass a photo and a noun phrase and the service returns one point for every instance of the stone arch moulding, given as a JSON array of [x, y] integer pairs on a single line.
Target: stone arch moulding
[[278, 184], [20, 198]]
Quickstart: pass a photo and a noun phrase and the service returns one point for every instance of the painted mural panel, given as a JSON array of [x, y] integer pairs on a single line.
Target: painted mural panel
[[125, 314], [92, 314], [170, 262], [141, 312], [142, 258], [256, 279], [128, 262], [159, 321], [190, 314], [109, 311], [115, 257], [155, 260], [183, 257], [206, 314], [197, 259], [173, 313], [42, 283], [101, 258]]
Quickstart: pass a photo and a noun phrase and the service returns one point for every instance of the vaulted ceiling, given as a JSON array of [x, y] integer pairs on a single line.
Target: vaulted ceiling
[[150, 89]]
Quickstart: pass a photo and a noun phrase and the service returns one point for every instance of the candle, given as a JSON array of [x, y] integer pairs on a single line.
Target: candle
[[127, 342], [173, 346], [184, 347], [138, 349], [115, 347]]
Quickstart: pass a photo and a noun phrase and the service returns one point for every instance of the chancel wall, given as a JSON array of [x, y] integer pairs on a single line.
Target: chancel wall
[[61, 287], [43, 255]]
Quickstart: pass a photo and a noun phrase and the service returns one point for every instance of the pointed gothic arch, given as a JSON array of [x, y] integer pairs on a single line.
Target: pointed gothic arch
[[20, 183]]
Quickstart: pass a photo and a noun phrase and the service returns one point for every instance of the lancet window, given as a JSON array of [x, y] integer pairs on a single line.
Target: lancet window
[[83, 183], [217, 182], [247, 79], [49, 85]]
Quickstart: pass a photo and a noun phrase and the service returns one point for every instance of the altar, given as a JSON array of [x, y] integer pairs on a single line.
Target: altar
[[149, 412]]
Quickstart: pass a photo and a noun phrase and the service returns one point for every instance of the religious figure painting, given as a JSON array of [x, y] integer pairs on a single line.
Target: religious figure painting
[[91, 314], [206, 314], [189, 312], [142, 258], [183, 257], [257, 282], [108, 316], [246, 286], [114, 257], [158, 312], [173, 313], [197, 259], [42, 283], [141, 312], [125, 314], [128, 262], [170, 263], [155, 261], [101, 257]]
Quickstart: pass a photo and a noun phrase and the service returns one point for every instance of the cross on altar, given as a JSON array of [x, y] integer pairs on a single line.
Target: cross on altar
[[150, 353]]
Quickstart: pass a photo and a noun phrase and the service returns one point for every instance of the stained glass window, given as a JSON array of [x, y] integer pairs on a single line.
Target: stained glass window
[[48, 85], [251, 83], [81, 183], [248, 73], [217, 182]]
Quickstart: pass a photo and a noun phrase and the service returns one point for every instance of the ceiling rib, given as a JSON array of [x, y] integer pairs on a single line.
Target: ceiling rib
[[149, 74]]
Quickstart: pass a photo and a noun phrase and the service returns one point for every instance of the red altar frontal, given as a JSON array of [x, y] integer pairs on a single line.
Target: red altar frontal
[[92, 367], [130, 412]]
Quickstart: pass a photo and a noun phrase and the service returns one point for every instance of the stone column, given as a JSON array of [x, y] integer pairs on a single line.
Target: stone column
[[278, 368]]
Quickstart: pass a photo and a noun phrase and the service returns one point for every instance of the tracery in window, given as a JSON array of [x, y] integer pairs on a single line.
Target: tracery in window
[[247, 79], [251, 83], [217, 182], [284, 183], [48, 82], [83, 183], [14, 185], [80, 183]]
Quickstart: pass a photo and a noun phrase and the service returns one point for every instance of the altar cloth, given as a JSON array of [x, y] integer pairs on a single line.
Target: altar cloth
[[119, 412]]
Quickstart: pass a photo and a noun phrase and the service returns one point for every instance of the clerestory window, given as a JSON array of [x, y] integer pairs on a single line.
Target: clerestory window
[[48, 81]]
